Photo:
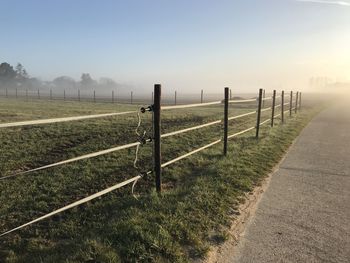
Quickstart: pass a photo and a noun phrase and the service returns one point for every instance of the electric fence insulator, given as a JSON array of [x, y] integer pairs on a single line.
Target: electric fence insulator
[[149, 108]]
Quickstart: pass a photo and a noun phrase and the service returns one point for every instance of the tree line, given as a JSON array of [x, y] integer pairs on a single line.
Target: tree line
[[18, 77]]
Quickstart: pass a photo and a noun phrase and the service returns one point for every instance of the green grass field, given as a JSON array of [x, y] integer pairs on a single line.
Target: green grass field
[[194, 212]]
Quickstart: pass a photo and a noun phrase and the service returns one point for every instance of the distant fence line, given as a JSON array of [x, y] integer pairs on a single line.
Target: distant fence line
[[76, 95], [156, 108], [112, 96]]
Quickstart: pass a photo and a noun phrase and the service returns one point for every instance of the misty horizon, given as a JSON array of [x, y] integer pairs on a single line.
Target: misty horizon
[[185, 46]]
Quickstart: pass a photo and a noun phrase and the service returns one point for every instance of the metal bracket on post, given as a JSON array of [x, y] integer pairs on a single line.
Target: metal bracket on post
[[226, 120], [273, 108], [259, 113], [157, 136]]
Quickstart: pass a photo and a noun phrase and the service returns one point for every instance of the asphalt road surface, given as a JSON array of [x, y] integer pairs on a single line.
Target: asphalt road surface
[[304, 215]]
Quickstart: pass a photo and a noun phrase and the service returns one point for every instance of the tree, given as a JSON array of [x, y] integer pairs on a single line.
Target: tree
[[21, 74], [7, 74], [87, 81], [64, 82], [20, 71]]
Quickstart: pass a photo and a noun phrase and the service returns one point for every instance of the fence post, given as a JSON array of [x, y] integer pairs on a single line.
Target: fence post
[[26, 94], [112, 96], [296, 102], [175, 98], [38, 94], [78, 94], [157, 135], [263, 101], [6, 93], [299, 101], [273, 107], [131, 97], [230, 94], [16, 93], [64, 94], [201, 96], [282, 106], [259, 113], [50, 94], [226, 120], [290, 103], [94, 96]]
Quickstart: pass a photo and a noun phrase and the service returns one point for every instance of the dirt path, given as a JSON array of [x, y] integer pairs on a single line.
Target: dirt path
[[304, 215]]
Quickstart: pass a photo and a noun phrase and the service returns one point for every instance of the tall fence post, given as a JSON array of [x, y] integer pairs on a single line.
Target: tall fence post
[[112, 96], [16, 93], [175, 99], [131, 97], [78, 94], [299, 101], [263, 100], [201, 96], [157, 135], [296, 102], [38, 94], [259, 113], [282, 106], [226, 120], [94, 96], [6, 93], [291, 103], [273, 107]]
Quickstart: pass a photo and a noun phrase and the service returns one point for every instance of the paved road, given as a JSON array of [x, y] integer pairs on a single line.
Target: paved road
[[304, 216]]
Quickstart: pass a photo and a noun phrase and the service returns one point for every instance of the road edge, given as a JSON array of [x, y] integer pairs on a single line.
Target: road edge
[[246, 211]]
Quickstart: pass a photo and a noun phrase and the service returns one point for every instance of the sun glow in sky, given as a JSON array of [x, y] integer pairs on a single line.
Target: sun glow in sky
[[185, 44]]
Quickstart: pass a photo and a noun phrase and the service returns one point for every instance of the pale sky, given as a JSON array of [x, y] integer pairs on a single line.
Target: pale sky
[[186, 45]]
